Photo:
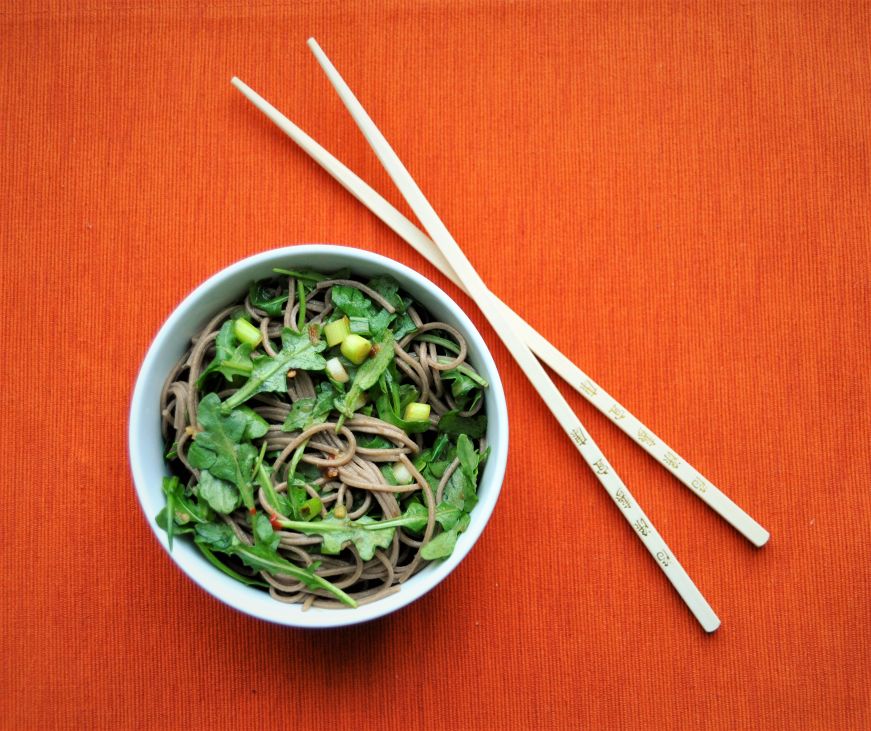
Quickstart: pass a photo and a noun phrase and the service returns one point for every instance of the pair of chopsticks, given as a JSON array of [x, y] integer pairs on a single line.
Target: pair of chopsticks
[[522, 341]]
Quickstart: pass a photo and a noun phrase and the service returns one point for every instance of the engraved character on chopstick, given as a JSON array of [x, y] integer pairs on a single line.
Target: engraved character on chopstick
[[577, 434], [621, 499], [617, 412], [671, 460], [699, 484], [642, 527], [663, 558], [645, 438], [588, 387]]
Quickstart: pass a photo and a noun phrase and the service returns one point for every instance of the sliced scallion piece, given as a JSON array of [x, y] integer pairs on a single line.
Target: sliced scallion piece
[[356, 348], [246, 333]]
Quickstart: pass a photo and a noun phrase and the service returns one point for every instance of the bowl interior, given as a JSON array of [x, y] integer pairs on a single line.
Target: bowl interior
[[146, 446]]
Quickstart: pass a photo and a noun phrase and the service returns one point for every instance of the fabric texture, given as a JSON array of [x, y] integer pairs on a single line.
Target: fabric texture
[[675, 194]]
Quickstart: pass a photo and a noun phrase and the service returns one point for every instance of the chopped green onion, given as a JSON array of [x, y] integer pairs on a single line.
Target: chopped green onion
[[355, 348], [360, 326], [336, 331], [310, 508], [336, 370], [401, 474], [246, 333], [417, 412]]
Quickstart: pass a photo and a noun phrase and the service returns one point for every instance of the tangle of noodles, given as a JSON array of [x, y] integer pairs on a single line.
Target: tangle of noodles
[[346, 462]]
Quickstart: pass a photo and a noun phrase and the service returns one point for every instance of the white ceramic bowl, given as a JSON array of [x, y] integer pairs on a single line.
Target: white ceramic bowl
[[146, 444]]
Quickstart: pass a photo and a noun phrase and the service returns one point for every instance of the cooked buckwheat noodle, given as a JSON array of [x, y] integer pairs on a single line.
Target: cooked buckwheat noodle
[[350, 473]]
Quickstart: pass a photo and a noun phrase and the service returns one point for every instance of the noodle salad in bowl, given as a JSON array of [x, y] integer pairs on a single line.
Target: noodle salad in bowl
[[318, 428]]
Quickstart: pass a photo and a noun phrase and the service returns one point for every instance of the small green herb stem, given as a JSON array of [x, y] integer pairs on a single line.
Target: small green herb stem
[[449, 345], [300, 293], [280, 566], [294, 461], [170, 516], [265, 481], [465, 370], [250, 387]]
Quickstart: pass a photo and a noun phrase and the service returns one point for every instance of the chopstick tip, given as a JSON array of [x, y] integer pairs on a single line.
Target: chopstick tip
[[761, 538]]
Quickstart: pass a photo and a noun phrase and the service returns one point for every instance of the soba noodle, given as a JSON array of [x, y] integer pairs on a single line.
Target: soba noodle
[[345, 463]]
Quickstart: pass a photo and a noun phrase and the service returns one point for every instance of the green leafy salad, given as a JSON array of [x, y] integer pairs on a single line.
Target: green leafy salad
[[324, 438]]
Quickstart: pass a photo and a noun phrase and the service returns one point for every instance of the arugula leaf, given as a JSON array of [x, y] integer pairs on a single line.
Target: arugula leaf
[[388, 383], [219, 448], [441, 546], [460, 491], [462, 488], [336, 533], [257, 426], [262, 557], [374, 441], [351, 301], [388, 288], [222, 496], [221, 566], [466, 382], [268, 297], [171, 487], [178, 530], [403, 326], [278, 501], [369, 372], [415, 516], [453, 423], [218, 536], [185, 508], [231, 358], [307, 412], [380, 321], [461, 384], [387, 413], [433, 462], [468, 458], [296, 496], [264, 535], [180, 507], [270, 374]]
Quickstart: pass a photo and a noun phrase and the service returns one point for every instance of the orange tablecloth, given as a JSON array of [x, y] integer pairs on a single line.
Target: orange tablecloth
[[675, 194]]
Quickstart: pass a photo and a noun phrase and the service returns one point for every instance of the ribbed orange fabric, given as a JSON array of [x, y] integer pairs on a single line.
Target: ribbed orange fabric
[[675, 194]]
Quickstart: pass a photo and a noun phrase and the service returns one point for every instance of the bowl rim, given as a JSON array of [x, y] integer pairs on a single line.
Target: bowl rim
[[233, 593]]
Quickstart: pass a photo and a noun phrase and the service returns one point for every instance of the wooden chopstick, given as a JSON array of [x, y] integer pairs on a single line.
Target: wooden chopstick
[[644, 437], [533, 370]]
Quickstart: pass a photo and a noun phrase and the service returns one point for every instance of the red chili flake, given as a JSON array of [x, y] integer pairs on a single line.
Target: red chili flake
[[253, 511], [273, 519], [374, 351], [314, 334]]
